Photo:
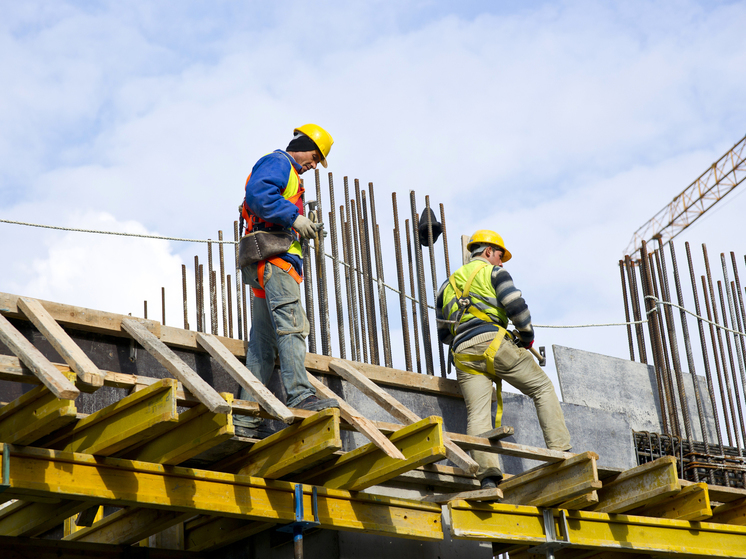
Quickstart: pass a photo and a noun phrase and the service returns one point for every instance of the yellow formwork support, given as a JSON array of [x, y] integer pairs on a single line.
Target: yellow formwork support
[[421, 443], [114, 481], [516, 524], [212, 532], [35, 414], [196, 430], [731, 513], [298, 446], [691, 503], [137, 418], [644, 485], [26, 518]]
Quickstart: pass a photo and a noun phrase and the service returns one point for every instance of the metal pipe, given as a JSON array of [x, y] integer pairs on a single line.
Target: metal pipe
[[335, 271], [184, 292], [349, 276], [402, 286], [705, 357], [368, 269], [360, 282], [650, 307], [421, 287], [239, 281], [414, 297], [321, 275], [222, 283], [382, 304], [433, 273], [711, 288], [445, 241], [690, 363]]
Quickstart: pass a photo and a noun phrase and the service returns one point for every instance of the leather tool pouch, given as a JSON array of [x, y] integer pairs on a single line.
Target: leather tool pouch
[[260, 245]]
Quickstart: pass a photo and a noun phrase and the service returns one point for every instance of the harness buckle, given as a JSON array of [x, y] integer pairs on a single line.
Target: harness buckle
[[464, 303]]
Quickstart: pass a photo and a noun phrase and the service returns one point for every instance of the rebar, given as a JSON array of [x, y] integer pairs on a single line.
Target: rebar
[[650, 307], [213, 309], [239, 318], [308, 281], [368, 273], [445, 241], [355, 279], [736, 322], [433, 273], [196, 288], [683, 400], [703, 343], [163, 306], [382, 305], [640, 331], [184, 293], [145, 310], [690, 361], [626, 312], [335, 271], [402, 286], [222, 283], [734, 378], [711, 288], [349, 287], [739, 298], [214, 301], [421, 287], [414, 298], [360, 280], [321, 286]]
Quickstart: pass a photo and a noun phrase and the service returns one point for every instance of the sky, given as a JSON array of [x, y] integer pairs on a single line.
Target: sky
[[563, 125]]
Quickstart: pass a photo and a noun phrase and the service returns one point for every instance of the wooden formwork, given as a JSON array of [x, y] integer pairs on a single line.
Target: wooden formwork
[[62, 466]]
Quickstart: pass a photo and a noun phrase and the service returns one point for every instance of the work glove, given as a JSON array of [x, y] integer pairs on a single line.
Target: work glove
[[305, 227], [520, 342]]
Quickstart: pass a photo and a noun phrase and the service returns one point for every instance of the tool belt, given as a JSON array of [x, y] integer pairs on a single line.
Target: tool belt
[[261, 245]]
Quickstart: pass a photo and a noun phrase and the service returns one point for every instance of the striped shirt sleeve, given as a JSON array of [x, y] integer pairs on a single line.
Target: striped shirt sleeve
[[509, 297]]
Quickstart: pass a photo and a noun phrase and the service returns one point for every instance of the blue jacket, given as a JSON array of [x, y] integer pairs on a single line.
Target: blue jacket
[[264, 195]]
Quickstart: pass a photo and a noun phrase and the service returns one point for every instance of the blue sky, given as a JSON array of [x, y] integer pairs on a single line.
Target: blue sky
[[562, 125]]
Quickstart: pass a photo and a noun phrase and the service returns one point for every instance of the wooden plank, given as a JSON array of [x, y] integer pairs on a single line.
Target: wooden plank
[[295, 448], [733, 512], [196, 431], [421, 443], [363, 425], [34, 360], [397, 410], [34, 415], [644, 485], [469, 442], [17, 548], [552, 484], [498, 434], [118, 482], [244, 377], [691, 503], [721, 494], [493, 494], [79, 362], [209, 533], [585, 501], [128, 526], [176, 366], [437, 475], [29, 519], [135, 419]]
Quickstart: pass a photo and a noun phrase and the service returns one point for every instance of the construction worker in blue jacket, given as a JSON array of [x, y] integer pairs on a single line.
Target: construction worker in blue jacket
[[279, 326], [474, 307]]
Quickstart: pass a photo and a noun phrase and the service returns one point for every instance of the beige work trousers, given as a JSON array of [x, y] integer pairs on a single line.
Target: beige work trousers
[[517, 367]]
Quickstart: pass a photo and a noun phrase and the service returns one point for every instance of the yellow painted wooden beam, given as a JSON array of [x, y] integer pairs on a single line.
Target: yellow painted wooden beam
[[209, 533], [25, 518], [295, 448], [691, 503], [17, 548], [34, 415], [641, 486], [128, 526], [119, 482], [421, 443], [195, 431], [516, 524], [139, 417], [548, 485], [731, 513]]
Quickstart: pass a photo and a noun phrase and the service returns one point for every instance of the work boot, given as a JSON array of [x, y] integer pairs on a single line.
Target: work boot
[[491, 482], [258, 431], [312, 403]]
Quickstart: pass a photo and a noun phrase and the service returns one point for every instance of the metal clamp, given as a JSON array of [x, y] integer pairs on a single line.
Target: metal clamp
[[299, 523], [552, 544], [5, 485]]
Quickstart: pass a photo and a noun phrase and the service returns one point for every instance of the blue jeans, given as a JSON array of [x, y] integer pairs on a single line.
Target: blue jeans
[[278, 326]]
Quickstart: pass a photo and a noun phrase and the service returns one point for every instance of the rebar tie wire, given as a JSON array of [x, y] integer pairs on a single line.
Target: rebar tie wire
[[657, 301]]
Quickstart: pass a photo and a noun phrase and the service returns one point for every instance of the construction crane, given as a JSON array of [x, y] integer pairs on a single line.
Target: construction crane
[[721, 178]]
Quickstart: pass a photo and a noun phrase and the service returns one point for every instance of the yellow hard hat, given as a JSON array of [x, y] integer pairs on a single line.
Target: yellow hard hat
[[490, 237], [320, 137]]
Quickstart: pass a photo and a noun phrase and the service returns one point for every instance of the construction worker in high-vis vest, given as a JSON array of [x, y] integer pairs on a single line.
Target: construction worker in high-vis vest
[[279, 326], [474, 307]]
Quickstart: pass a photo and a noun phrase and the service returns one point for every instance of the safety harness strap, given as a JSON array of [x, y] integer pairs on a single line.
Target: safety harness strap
[[280, 263]]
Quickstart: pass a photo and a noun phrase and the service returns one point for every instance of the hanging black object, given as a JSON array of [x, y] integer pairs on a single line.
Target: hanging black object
[[422, 229]]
